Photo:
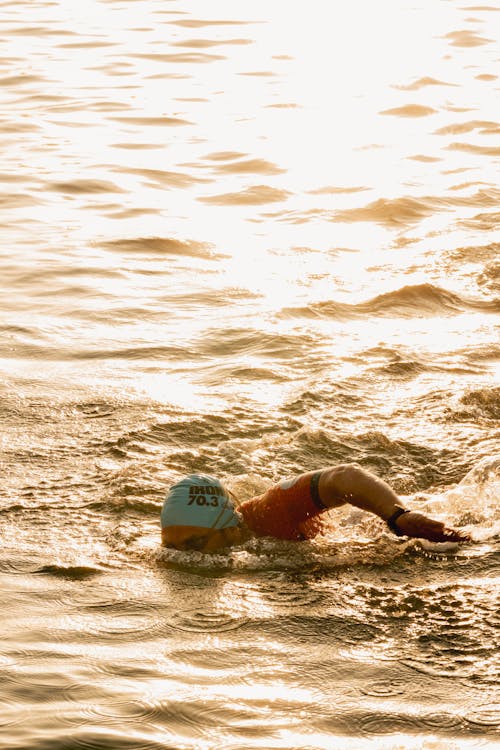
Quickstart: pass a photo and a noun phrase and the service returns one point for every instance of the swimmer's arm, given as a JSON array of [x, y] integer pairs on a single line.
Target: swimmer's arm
[[350, 483]]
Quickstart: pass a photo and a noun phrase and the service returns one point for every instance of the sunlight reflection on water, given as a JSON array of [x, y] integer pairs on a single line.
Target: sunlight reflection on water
[[248, 240]]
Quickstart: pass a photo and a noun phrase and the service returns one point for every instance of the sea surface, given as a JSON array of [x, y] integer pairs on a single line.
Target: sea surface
[[249, 239]]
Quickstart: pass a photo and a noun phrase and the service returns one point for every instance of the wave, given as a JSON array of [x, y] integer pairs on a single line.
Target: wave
[[163, 246], [490, 276], [484, 222], [170, 353], [484, 127], [59, 354], [195, 23], [409, 301], [422, 83], [411, 209], [70, 572], [224, 156], [410, 110], [235, 341], [204, 43], [478, 404], [475, 149], [485, 353], [179, 57], [151, 121], [250, 166], [252, 196], [475, 253], [334, 190], [392, 212], [162, 178], [85, 187], [466, 38]]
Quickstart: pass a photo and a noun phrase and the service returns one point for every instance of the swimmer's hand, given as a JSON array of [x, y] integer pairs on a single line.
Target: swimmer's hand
[[417, 525]]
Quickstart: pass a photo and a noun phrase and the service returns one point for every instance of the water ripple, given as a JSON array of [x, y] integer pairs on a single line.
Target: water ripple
[[385, 689], [206, 620], [350, 631], [281, 594], [443, 721], [487, 715], [111, 620], [379, 723], [108, 710]]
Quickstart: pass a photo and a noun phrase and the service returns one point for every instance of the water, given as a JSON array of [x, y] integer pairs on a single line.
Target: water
[[248, 239]]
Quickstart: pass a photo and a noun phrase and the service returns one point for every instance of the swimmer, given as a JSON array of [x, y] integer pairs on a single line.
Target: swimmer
[[200, 514]]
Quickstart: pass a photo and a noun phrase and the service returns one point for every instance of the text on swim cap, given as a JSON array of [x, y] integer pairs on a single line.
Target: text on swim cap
[[197, 495], [207, 490]]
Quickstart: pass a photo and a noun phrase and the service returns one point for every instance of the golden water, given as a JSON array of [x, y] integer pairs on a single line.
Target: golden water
[[248, 239]]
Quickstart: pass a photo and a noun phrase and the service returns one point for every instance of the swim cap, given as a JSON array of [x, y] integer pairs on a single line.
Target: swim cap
[[199, 501]]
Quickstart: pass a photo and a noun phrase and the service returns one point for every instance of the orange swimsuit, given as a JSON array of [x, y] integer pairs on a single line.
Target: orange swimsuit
[[288, 510]]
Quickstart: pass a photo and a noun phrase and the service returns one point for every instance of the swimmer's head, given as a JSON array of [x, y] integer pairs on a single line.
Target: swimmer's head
[[198, 513]]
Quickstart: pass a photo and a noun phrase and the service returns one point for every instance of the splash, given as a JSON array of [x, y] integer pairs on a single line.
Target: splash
[[474, 502]]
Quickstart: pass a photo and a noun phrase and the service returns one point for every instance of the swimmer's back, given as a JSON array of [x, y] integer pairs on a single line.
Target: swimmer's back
[[287, 510]]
